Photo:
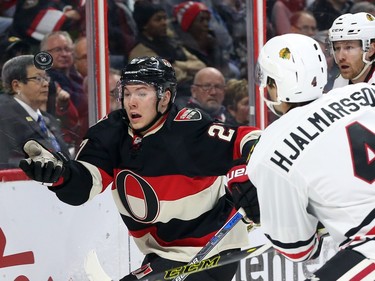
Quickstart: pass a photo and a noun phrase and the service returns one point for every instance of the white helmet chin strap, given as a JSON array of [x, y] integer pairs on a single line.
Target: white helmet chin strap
[[270, 104], [365, 67]]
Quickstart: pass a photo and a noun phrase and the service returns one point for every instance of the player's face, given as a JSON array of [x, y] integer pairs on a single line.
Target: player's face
[[140, 104], [348, 56], [280, 108]]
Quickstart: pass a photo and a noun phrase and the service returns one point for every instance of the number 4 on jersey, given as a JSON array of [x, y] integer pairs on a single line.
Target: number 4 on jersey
[[362, 147]]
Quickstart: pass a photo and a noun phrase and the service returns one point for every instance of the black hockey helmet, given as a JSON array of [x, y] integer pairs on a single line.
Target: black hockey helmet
[[155, 71]]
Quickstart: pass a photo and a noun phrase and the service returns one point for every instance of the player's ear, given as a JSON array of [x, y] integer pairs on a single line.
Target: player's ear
[[167, 97], [371, 51]]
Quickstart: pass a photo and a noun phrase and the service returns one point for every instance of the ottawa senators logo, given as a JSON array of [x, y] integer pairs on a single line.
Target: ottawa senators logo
[[188, 114]]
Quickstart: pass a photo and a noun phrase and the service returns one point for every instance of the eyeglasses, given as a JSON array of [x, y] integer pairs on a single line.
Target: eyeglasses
[[209, 87], [306, 28], [59, 50], [39, 79]]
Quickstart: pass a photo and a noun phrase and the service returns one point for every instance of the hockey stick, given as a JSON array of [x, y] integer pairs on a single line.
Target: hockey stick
[[206, 264], [94, 270], [216, 261], [214, 240], [96, 273], [93, 267]]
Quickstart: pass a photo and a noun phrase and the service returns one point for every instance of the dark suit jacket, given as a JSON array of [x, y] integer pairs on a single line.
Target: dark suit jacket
[[17, 126]]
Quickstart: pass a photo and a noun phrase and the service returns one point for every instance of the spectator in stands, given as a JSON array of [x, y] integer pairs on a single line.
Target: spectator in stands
[[326, 11], [153, 40], [303, 22], [59, 44], [113, 77], [191, 23], [207, 93], [34, 19], [26, 90], [281, 12], [80, 55], [236, 100], [218, 24], [11, 47], [363, 6], [7, 9], [122, 32], [233, 14]]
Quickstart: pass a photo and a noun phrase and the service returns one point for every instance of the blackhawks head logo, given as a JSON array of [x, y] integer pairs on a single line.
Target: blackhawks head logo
[[284, 53], [370, 17]]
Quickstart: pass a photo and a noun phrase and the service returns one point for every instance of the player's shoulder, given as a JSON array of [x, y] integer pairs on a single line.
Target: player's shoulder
[[114, 121], [188, 118], [351, 88]]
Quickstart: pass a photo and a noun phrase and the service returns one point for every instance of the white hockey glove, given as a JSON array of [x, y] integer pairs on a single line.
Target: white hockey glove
[[243, 192], [42, 165]]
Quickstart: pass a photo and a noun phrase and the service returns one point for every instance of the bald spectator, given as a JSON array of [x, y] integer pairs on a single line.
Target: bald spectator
[[207, 93]]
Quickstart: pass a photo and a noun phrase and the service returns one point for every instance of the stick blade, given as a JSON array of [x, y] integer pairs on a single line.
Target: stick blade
[[93, 268]]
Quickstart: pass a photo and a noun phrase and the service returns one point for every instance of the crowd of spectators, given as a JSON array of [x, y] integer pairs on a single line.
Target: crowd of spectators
[[197, 37]]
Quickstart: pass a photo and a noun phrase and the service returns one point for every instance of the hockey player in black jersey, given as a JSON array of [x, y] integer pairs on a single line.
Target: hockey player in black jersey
[[168, 168]]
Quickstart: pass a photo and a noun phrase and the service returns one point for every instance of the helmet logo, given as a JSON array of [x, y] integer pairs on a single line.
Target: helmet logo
[[285, 53], [370, 17], [167, 63]]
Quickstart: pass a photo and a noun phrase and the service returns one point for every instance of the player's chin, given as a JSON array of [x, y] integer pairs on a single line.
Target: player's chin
[[137, 125]]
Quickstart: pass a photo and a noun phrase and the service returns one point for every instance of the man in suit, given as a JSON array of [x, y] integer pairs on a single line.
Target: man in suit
[[26, 91]]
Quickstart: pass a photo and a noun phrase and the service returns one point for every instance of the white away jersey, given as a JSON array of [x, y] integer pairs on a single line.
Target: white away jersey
[[317, 163]]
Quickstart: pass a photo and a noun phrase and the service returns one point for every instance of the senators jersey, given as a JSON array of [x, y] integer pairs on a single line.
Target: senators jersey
[[168, 185], [317, 163]]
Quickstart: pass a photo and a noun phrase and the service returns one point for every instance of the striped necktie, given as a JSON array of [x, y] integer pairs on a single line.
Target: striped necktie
[[51, 137]]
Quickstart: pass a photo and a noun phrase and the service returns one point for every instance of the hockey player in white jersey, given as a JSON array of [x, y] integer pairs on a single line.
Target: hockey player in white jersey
[[352, 44], [316, 163]]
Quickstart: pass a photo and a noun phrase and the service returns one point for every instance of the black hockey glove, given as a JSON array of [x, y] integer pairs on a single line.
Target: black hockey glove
[[44, 166], [243, 192]]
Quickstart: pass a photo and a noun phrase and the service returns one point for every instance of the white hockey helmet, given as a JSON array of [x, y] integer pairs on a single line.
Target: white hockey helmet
[[298, 66], [359, 26]]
